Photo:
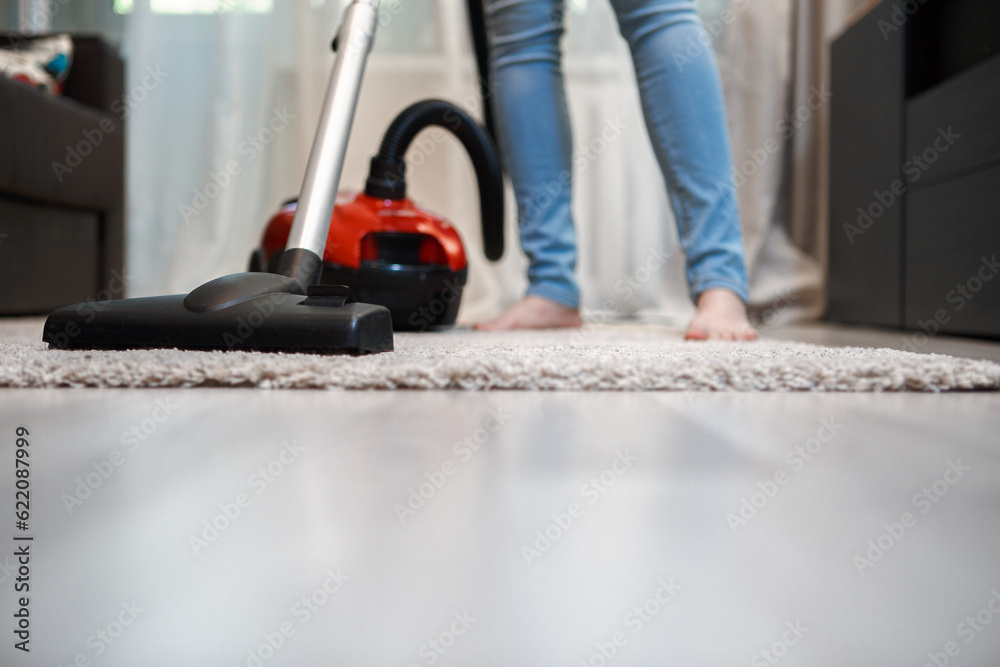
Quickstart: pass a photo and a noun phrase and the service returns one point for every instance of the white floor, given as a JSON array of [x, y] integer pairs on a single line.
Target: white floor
[[908, 341], [556, 528]]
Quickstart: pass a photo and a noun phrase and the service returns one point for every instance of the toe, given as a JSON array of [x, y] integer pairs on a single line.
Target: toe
[[695, 334]]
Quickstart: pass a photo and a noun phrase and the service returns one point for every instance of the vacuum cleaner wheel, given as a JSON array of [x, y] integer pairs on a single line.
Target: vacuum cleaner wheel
[[418, 297]]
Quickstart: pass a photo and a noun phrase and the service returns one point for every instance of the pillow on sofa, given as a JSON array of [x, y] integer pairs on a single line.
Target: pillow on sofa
[[43, 62]]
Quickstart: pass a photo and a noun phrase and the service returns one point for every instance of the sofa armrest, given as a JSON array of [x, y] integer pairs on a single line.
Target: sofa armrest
[[59, 151]]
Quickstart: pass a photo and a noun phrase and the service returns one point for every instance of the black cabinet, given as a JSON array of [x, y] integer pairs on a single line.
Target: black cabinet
[[50, 256], [915, 168], [953, 255]]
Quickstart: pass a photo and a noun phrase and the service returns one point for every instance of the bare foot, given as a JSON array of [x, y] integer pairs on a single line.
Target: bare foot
[[721, 316], [533, 312]]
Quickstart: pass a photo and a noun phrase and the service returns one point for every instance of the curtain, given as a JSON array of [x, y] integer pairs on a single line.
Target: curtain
[[223, 138]]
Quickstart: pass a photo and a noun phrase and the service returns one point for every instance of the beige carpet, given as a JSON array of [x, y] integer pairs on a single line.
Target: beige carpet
[[598, 357]]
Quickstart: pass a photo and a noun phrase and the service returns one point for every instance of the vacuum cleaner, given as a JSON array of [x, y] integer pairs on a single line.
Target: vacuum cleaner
[[386, 249], [287, 310]]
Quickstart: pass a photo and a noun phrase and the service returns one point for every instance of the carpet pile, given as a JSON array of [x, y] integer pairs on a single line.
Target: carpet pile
[[597, 357]]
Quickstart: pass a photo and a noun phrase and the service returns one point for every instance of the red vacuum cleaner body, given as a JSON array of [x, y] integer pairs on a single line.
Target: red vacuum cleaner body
[[388, 250]]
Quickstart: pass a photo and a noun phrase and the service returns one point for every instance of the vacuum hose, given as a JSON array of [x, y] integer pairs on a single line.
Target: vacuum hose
[[386, 179], [481, 47]]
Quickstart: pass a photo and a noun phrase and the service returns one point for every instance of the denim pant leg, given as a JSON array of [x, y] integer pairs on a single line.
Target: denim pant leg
[[684, 110], [535, 138]]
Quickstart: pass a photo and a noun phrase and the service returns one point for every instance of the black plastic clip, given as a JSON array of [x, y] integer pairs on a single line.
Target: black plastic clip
[[329, 296]]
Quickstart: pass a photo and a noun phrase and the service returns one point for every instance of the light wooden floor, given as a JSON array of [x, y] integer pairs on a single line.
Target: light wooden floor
[[908, 341], [691, 529]]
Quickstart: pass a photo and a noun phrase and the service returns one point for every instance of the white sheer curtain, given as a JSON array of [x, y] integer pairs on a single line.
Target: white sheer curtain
[[229, 75]]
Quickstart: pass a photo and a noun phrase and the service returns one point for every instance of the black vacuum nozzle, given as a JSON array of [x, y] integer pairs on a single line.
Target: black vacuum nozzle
[[243, 311]]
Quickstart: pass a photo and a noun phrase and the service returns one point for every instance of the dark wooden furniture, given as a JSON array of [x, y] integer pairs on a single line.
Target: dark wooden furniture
[[62, 176], [915, 168]]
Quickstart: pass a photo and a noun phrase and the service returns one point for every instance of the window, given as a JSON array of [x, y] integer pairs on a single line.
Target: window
[[198, 6]]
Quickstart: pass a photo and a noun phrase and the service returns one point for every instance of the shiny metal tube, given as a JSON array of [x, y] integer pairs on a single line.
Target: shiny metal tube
[[326, 161]]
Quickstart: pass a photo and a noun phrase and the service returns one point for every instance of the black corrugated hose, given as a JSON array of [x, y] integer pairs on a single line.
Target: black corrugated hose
[[386, 179]]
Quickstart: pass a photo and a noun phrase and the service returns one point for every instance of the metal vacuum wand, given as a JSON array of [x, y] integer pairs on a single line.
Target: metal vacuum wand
[[303, 256]]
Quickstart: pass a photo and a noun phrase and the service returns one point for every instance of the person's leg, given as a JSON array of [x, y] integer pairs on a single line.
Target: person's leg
[[535, 141], [685, 115]]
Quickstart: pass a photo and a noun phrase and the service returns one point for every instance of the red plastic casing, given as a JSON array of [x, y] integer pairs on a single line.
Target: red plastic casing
[[356, 215]]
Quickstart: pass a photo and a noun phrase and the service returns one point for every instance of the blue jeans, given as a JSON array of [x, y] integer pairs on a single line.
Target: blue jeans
[[683, 108]]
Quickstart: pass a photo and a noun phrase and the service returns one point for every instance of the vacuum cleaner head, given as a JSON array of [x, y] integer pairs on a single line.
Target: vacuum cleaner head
[[244, 311]]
